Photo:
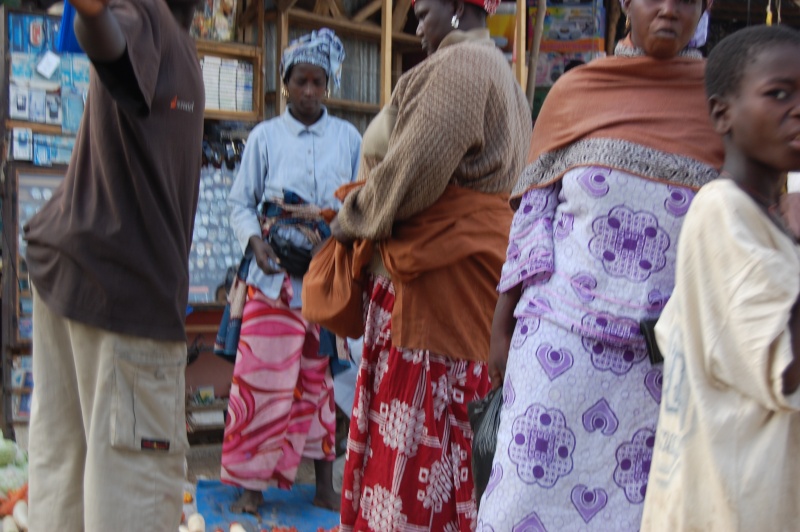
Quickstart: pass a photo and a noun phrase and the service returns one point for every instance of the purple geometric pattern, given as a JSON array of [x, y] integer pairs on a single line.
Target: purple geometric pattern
[[526, 328], [653, 382], [535, 201], [629, 244], [554, 362], [539, 306], [633, 465], [530, 523], [615, 344], [494, 479], [600, 417], [594, 181], [588, 502], [678, 201], [509, 396], [584, 283], [564, 226], [542, 446], [657, 299]]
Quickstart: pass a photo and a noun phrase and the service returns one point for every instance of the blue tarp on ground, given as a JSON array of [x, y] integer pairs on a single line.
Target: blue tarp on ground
[[280, 508]]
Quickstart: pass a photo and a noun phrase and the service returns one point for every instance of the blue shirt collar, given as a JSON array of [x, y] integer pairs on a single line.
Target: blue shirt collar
[[296, 127]]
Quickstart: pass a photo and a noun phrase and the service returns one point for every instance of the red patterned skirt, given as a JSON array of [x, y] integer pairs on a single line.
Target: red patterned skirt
[[409, 452]]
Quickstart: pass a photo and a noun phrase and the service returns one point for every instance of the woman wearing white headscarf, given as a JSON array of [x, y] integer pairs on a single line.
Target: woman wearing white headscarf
[[281, 401]]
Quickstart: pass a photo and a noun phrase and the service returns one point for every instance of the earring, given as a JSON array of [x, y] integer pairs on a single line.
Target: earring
[[285, 92], [327, 93], [454, 22], [627, 24]]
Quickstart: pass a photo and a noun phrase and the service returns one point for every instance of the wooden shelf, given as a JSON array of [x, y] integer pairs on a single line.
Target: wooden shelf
[[338, 103], [306, 19], [219, 404], [236, 116], [350, 105], [232, 50], [45, 129]]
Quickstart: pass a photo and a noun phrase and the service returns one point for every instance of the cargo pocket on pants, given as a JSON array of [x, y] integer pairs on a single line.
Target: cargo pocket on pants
[[147, 411]]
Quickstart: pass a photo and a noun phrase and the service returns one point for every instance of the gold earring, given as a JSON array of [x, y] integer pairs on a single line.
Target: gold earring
[[285, 92], [627, 24]]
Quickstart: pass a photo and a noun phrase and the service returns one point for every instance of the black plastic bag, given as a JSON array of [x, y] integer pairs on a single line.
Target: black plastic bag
[[484, 418], [293, 259]]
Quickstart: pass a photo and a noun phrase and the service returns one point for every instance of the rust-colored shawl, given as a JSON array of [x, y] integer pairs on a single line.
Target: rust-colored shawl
[[637, 114], [445, 264]]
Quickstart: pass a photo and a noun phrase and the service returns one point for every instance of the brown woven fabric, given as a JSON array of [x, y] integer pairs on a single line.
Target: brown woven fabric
[[461, 119]]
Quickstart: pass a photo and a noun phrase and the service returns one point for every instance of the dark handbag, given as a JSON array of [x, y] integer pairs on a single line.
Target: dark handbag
[[648, 329], [293, 259], [484, 418]]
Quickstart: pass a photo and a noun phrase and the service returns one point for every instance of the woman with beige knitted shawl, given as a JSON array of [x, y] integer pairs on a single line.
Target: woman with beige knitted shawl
[[438, 165]]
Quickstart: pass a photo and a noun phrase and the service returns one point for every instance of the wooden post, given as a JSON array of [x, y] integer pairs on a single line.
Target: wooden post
[[519, 46], [282, 41], [533, 59], [400, 14], [614, 13], [386, 52], [258, 68]]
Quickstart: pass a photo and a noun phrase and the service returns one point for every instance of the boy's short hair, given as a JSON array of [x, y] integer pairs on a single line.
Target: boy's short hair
[[729, 58]]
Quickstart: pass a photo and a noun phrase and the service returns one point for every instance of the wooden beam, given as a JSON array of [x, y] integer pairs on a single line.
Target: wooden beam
[[386, 52], [321, 8], [282, 36], [284, 5], [614, 13], [259, 71], [306, 19], [397, 67], [367, 11], [520, 36], [230, 50], [533, 57], [354, 106], [400, 14], [249, 14], [337, 9]]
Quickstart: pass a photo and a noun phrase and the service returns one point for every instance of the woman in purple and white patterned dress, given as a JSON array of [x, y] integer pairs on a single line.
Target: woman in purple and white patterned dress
[[616, 155]]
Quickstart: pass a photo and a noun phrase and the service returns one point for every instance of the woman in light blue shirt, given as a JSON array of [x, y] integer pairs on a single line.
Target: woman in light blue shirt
[[281, 401]]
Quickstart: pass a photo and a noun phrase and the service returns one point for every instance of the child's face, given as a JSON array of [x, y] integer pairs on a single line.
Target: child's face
[[764, 117]]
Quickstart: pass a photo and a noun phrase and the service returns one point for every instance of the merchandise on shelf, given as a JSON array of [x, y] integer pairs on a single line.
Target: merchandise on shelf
[[568, 27], [552, 65], [228, 84], [573, 30], [44, 88], [501, 26], [215, 20], [214, 246]]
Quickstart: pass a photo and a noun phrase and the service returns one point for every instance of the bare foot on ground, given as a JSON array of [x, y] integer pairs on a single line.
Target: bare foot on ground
[[329, 500]]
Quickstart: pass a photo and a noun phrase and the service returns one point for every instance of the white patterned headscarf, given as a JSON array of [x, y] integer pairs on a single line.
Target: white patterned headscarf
[[320, 48]]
